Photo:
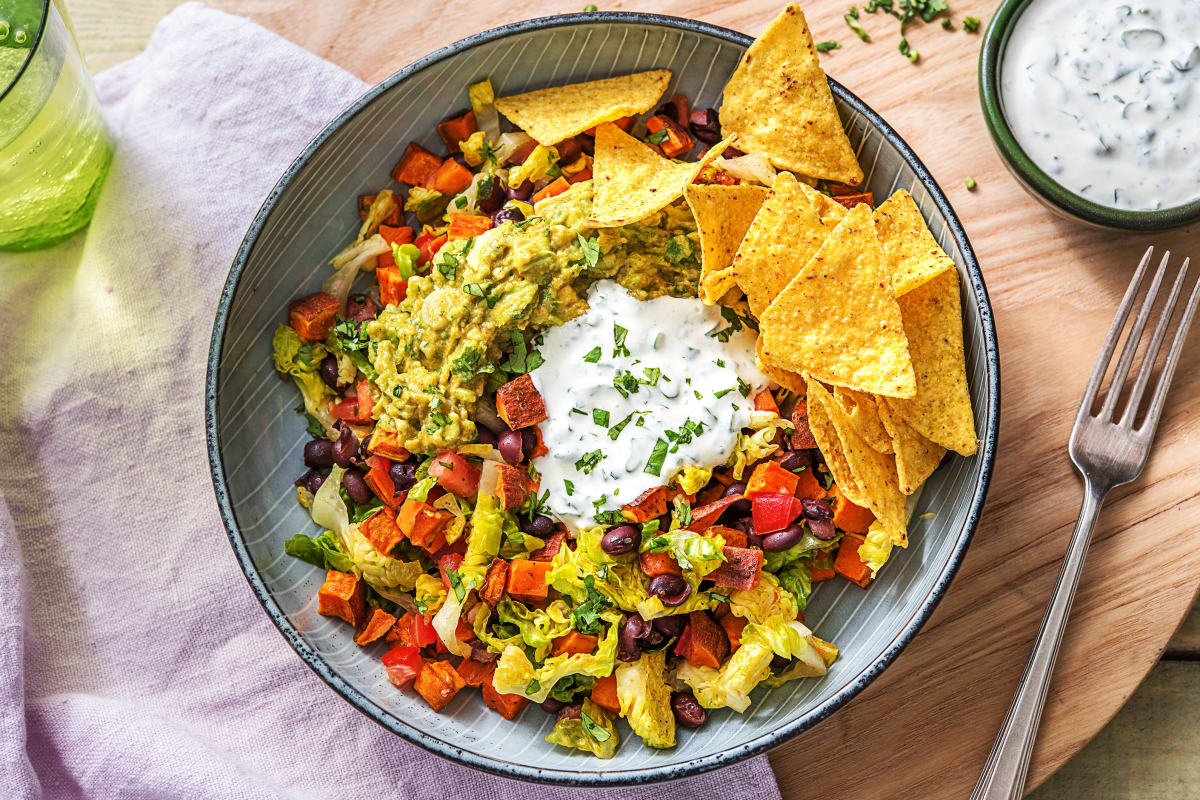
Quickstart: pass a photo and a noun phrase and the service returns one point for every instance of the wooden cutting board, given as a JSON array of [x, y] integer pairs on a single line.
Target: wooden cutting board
[[923, 729]]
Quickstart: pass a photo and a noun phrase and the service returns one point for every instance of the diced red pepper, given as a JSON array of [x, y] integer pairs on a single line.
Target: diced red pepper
[[765, 401], [428, 244], [402, 664], [447, 564], [774, 512]]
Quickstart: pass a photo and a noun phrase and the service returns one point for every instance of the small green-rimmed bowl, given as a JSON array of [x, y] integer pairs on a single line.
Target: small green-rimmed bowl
[[1045, 189]]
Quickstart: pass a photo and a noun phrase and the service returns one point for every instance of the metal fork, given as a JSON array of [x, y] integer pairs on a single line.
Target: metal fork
[[1108, 452]]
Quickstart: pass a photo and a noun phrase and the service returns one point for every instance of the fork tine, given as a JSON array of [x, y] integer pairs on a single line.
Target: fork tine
[[1114, 333], [1156, 340], [1164, 380], [1132, 341]]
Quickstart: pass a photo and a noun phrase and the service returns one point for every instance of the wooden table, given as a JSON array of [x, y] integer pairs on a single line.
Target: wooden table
[[923, 729]]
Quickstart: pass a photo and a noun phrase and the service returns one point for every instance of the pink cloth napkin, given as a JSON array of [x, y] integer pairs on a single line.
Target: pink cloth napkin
[[134, 660]]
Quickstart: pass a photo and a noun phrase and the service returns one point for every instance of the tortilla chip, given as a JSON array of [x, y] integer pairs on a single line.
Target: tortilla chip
[[941, 410], [838, 320], [723, 215], [874, 473], [791, 381], [785, 233], [863, 414], [551, 115], [829, 210], [916, 456], [912, 253], [779, 104], [632, 180], [830, 445]]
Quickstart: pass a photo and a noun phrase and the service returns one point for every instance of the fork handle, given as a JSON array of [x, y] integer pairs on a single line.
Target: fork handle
[[1003, 776]]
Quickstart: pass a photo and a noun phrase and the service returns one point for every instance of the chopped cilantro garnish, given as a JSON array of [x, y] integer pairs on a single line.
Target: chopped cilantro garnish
[[825, 47], [743, 387], [971, 24], [315, 428], [593, 728], [569, 486], [437, 421], [585, 617], [590, 248], [657, 456], [652, 375], [720, 598], [470, 363], [456, 583], [600, 417], [720, 362], [589, 462], [447, 264], [522, 359], [615, 430], [908, 52], [659, 544], [460, 202], [593, 355], [683, 511], [658, 137], [650, 528], [619, 334], [534, 687], [626, 383], [608, 517], [579, 411]]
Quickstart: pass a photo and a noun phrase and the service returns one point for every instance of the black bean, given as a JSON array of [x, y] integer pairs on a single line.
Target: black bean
[[403, 475], [622, 539], [816, 509], [521, 192], [356, 487], [495, 198], [329, 371], [633, 628], [507, 215], [318, 453], [510, 446], [654, 639], [540, 526], [364, 448], [484, 436], [573, 711], [529, 441], [734, 488], [779, 541], [822, 529], [481, 653], [345, 448], [568, 151], [671, 589], [792, 461], [688, 712], [311, 480], [670, 626], [588, 143], [779, 664], [739, 509], [753, 539], [552, 706], [705, 125]]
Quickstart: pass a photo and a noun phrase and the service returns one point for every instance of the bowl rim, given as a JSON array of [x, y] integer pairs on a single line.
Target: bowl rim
[[1029, 174], [599, 776]]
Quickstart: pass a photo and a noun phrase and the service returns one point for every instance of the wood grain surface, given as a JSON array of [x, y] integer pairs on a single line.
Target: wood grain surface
[[923, 729]]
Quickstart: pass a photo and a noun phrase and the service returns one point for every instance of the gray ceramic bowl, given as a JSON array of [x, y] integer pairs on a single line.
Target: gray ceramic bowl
[[1036, 181], [255, 438]]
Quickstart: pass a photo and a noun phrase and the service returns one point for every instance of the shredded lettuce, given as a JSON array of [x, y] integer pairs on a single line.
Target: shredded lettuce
[[427, 204], [382, 208], [621, 583], [538, 627], [429, 593], [483, 542], [758, 445], [691, 550], [515, 673], [593, 732], [876, 548], [764, 602], [483, 100], [692, 479], [445, 622], [535, 167], [323, 552], [302, 361], [645, 699]]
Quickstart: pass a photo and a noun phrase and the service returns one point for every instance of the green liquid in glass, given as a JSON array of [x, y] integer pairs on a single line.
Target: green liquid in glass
[[54, 146]]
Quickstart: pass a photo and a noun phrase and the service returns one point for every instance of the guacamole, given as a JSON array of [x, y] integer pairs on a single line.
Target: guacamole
[[437, 352]]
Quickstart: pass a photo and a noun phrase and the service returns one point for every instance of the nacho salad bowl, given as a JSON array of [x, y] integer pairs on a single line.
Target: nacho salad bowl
[[255, 437]]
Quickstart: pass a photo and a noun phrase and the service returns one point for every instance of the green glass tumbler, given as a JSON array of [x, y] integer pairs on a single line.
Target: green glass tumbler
[[55, 149]]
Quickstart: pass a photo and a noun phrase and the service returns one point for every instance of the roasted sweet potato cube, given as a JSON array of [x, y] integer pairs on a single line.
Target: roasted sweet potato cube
[[312, 317], [438, 682], [421, 522], [512, 486], [450, 178], [704, 517], [741, 569], [733, 626], [506, 705], [851, 200], [550, 549], [802, 435], [456, 129], [387, 444], [381, 530], [416, 165], [344, 595], [520, 404], [527, 580], [704, 642], [494, 582], [675, 142], [378, 625], [648, 505], [464, 226], [732, 536]]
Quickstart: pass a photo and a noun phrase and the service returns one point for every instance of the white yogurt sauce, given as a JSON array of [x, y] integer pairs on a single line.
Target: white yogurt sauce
[[1103, 96], [592, 465]]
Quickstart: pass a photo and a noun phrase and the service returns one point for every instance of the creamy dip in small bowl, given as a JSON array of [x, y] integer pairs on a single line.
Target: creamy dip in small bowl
[[1093, 107]]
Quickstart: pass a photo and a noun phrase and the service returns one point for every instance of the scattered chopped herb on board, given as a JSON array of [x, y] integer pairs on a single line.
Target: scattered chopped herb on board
[[825, 47], [970, 182]]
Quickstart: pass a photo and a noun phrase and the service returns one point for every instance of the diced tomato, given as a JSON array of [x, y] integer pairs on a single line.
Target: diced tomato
[[454, 473], [446, 564], [774, 512], [365, 404], [402, 664], [421, 630], [428, 244], [349, 410]]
